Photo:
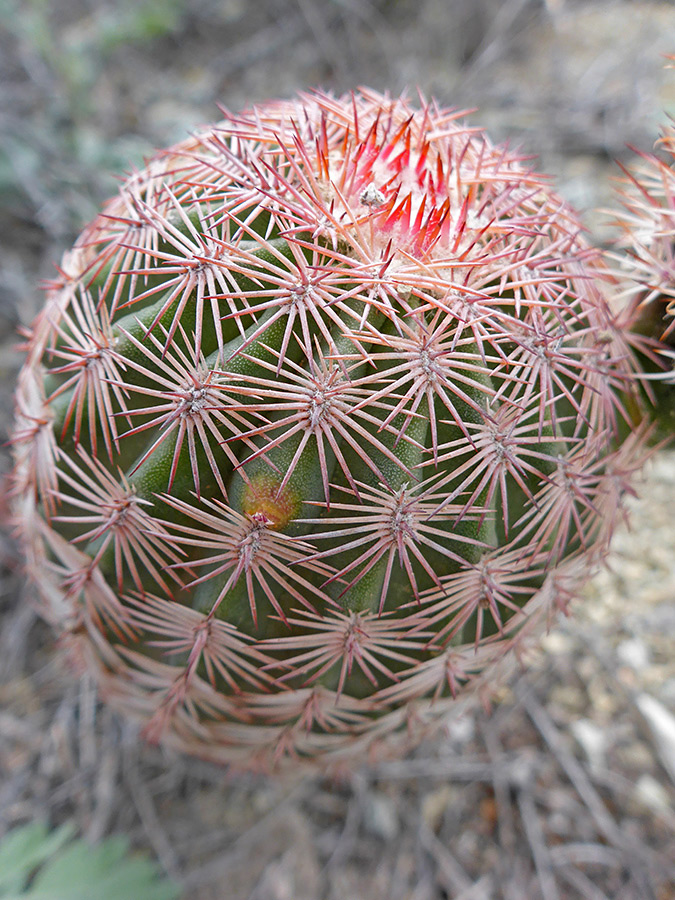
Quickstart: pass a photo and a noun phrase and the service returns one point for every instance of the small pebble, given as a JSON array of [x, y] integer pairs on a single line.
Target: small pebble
[[634, 653], [380, 816], [652, 794], [662, 724], [593, 741]]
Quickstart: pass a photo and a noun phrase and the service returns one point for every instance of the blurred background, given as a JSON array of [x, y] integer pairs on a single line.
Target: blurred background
[[568, 790]]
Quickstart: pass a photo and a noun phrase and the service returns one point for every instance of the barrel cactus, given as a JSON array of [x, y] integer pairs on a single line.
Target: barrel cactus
[[647, 224], [643, 260], [324, 418]]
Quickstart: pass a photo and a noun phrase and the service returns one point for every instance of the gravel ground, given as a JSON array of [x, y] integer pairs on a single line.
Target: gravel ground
[[568, 789]]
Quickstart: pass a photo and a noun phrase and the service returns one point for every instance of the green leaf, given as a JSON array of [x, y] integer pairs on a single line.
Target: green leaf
[[25, 848], [38, 864]]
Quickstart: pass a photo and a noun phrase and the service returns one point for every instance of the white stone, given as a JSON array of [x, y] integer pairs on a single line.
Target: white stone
[[662, 724], [592, 739], [634, 653]]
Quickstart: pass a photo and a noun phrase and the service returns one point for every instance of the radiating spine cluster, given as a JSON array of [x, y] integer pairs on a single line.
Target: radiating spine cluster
[[320, 422]]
